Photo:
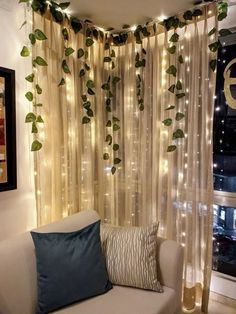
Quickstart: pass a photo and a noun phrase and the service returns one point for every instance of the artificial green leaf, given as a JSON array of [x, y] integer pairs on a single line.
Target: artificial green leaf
[[144, 51], [225, 32], [141, 107], [40, 61], [115, 80], [32, 38], [167, 122], [113, 170], [213, 64], [116, 147], [174, 38], [85, 120], [108, 125], [87, 67], [115, 119], [188, 15], [178, 134], [172, 70], [181, 59], [65, 67], [40, 35], [91, 92], [108, 108], [86, 54], [30, 78], [23, 1], [180, 95], [69, 51], [179, 116], [223, 6], [214, 46], [110, 94], [108, 102], [84, 98], [64, 5], [170, 108], [140, 63], [172, 88], [222, 16], [65, 33], [80, 53], [34, 128], [62, 82], [107, 59], [212, 32], [29, 96], [36, 145], [39, 119], [57, 14], [90, 112], [113, 54], [105, 86], [113, 65], [106, 156], [90, 84], [109, 139], [82, 72], [117, 161], [171, 148], [31, 117], [76, 25], [89, 41], [38, 89], [116, 127], [25, 52], [87, 105], [38, 5], [179, 85], [171, 49], [145, 32]]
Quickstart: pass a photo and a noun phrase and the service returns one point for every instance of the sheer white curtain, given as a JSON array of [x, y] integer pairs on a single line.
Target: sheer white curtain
[[150, 184]]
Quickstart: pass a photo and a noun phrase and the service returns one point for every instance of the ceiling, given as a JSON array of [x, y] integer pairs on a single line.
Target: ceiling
[[115, 13]]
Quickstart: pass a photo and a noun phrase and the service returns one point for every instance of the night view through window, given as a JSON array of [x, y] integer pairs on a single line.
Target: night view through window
[[224, 227]]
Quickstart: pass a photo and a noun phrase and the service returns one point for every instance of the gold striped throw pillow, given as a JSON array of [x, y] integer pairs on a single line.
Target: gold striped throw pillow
[[131, 257]]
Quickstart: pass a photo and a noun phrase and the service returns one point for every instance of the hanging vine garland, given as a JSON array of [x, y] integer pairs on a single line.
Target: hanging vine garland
[[57, 11], [112, 123], [32, 97], [222, 13]]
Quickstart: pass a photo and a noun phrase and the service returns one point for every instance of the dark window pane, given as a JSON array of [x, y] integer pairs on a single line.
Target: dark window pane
[[225, 123], [224, 240]]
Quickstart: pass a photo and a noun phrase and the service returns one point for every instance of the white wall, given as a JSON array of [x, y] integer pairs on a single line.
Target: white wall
[[17, 207]]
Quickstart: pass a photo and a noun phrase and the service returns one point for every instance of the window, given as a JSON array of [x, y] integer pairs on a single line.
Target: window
[[224, 163]]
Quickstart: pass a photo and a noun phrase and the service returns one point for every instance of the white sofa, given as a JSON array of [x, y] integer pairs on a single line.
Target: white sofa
[[18, 278]]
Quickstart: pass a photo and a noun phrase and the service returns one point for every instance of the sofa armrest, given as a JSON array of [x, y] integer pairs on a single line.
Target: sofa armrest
[[170, 263]]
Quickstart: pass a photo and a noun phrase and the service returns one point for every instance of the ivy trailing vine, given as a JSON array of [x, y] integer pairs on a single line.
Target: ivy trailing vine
[[112, 123], [35, 92], [92, 33], [222, 13]]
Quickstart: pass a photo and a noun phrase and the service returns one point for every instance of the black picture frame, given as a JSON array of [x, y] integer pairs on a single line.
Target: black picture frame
[[10, 129]]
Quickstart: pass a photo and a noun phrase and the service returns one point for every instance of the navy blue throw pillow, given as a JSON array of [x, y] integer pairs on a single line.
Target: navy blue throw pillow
[[70, 267]]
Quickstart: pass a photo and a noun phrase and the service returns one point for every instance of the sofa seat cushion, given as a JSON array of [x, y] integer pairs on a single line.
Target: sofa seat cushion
[[125, 300]]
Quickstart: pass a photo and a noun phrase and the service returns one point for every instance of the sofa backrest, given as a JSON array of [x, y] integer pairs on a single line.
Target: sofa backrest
[[18, 276]]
